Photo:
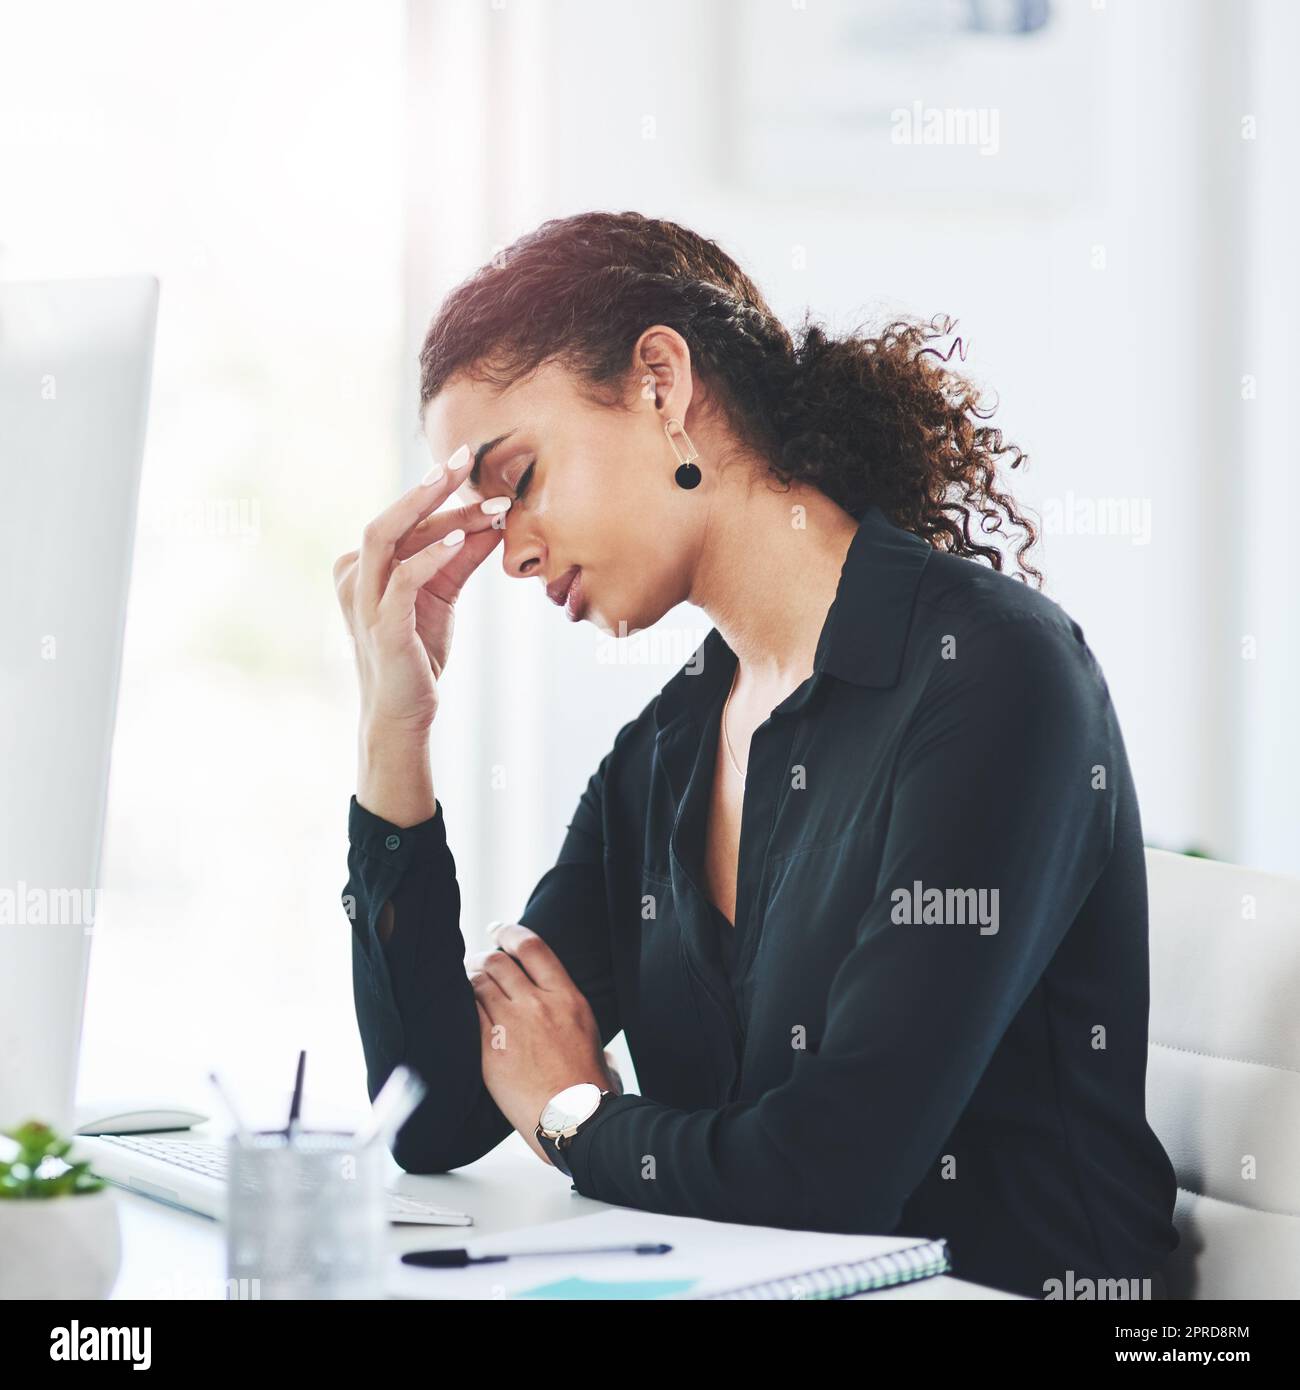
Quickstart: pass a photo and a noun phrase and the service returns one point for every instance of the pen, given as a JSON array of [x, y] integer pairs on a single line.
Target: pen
[[396, 1100], [295, 1105], [457, 1259], [241, 1130]]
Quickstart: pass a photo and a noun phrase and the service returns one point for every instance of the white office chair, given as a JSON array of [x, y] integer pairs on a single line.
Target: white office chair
[[1223, 1079]]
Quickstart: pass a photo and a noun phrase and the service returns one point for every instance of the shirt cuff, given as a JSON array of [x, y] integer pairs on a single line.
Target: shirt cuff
[[577, 1152], [393, 844]]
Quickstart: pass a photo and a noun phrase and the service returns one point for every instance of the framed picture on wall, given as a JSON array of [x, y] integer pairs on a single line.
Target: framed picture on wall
[[966, 102]]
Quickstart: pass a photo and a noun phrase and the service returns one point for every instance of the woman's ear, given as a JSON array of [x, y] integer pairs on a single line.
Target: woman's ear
[[661, 353]]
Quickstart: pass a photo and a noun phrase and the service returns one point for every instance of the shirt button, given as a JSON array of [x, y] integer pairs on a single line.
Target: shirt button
[[392, 842]]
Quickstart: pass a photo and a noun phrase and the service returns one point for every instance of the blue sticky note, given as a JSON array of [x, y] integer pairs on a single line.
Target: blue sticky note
[[578, 1287]]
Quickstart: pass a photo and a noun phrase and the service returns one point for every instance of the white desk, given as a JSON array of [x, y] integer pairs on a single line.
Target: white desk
[[170, 1254]]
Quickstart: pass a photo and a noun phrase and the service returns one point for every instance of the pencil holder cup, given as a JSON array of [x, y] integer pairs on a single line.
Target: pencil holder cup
[[305, 1218]]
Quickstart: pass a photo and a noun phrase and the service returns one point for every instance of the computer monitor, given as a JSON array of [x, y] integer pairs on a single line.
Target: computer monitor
[[75, 366]]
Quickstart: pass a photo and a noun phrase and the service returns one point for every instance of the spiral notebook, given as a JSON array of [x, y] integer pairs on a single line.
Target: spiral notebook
[[709, 1260]]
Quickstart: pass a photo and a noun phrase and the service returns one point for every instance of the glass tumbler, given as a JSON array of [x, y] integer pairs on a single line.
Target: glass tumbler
[[305, 1218]]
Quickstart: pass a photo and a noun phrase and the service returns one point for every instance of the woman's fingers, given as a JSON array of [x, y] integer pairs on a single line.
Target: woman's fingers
[[484, 990], [380, 538], [502, 968], [533, 955], [442, 567], [470, 517], [466, 557]]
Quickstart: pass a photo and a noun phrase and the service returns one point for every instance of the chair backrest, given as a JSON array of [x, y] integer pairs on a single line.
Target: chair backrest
[[1223, 1079]]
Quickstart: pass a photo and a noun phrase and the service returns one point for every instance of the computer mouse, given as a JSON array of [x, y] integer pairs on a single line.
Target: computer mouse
[[134, 1116]]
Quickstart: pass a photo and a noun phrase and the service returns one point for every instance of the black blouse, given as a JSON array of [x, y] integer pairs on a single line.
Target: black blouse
[[932, 1016], [725, 937]]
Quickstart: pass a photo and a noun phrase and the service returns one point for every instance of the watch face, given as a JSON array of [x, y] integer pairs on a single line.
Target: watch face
[[573, 1105]]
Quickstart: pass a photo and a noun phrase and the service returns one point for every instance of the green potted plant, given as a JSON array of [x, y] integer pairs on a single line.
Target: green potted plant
[[58, 1221]]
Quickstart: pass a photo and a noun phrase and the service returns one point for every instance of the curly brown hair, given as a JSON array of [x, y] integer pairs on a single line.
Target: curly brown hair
[[866, 417]]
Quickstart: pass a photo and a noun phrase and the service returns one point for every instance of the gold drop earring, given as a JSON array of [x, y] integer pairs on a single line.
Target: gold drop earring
[[688, 474]]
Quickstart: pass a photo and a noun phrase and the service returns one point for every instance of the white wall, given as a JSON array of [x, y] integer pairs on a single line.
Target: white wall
[[1265, 467]]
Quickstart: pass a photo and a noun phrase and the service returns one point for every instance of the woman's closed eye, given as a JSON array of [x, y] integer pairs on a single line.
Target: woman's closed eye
[[522, 485]]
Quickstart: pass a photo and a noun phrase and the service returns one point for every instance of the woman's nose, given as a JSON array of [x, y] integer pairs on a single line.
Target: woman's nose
[[524, 556]]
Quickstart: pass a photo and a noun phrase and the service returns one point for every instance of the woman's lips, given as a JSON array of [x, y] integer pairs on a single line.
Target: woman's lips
[[567, 591], [575, 604]]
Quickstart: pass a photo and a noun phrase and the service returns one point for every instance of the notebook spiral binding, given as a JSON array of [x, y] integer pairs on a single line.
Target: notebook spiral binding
[[844, 1280]]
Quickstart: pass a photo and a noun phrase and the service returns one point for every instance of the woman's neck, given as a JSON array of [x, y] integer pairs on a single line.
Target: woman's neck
[[767, 572]]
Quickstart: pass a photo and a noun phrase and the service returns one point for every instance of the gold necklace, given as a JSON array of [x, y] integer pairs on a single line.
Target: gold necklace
[[725, 737]]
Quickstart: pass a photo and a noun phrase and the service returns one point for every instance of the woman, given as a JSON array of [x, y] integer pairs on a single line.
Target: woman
[[898, 984]]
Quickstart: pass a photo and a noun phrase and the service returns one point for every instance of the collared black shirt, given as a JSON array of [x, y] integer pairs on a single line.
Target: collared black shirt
[[936, 1018]]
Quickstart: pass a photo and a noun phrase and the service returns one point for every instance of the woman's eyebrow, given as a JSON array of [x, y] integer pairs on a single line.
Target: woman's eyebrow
[[483, 450]]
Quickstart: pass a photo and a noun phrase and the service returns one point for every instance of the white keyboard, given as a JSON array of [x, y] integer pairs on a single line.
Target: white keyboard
[[191, 1173]]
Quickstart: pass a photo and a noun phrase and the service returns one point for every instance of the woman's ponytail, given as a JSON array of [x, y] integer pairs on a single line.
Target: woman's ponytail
[[884, 419]]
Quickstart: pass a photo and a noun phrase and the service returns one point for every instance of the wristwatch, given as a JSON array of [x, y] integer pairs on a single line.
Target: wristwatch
[[564, 1115]]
